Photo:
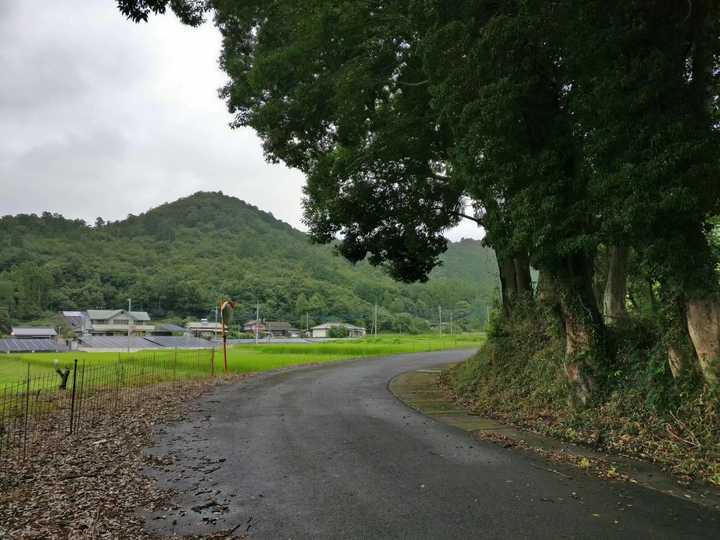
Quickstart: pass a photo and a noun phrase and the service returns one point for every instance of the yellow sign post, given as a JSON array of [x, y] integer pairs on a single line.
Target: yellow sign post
[[226, 312]]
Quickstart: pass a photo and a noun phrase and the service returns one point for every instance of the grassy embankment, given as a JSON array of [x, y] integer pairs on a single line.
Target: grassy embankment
[[638, 408], [251, 358]]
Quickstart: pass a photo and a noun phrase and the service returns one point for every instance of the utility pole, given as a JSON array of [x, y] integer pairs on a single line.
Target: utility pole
[[307, 324], [375, 321], [440, 317], [128, 323], [257, 320]]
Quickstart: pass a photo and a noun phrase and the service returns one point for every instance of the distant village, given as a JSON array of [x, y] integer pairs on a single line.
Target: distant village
[[122, 330]]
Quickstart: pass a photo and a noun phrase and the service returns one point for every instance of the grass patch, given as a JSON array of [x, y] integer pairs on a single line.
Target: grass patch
[[246, 358], [638, 409]]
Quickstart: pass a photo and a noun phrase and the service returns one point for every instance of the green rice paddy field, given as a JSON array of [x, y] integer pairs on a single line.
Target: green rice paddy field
[[14, 368]]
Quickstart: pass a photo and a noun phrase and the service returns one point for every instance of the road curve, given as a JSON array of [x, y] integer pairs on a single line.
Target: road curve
[[328, 452]]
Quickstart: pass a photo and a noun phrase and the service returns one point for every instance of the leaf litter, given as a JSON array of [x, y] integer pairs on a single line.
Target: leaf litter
[[93, 486]]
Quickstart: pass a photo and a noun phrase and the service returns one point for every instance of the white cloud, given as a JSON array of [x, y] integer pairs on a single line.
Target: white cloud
[[100, 116]]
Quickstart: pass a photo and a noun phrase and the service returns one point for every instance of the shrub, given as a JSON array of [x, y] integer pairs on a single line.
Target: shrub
[[638, 409], [338, 332]]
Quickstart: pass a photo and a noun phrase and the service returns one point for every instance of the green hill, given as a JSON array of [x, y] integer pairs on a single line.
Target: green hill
[[176, 260]]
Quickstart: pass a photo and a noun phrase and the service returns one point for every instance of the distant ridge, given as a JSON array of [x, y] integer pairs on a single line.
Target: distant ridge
[[175, 260]]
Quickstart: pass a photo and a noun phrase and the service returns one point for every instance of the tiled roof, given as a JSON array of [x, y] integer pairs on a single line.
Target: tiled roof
[[19, 331], [105, 314], [278, 325], [329, 325], [166, 327], [204, 325]]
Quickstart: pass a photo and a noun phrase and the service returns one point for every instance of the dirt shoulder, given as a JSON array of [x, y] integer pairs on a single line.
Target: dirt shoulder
[[422, 390], [92, 486]]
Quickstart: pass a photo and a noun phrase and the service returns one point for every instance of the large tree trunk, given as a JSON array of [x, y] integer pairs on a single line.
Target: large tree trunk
[[698, 306], [546, 293], [523, 281], [508, 291], [677, 360], [703, 323], [679, 348], [578, 346], [515, 279], [614, 309], [584, 329]]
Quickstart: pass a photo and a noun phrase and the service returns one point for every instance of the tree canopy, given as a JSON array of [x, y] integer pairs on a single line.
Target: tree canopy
[[567, 127], [574, 131]]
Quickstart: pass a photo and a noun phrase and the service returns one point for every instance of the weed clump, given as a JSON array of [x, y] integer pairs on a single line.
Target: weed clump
[[638, 409]]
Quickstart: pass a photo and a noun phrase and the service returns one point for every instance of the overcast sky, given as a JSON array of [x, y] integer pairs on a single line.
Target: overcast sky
[[103, 117]]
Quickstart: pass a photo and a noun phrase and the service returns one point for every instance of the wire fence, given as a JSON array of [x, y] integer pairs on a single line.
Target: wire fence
[[72, 399]]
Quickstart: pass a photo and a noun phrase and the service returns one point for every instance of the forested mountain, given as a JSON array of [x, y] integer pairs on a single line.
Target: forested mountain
[[176, 260]]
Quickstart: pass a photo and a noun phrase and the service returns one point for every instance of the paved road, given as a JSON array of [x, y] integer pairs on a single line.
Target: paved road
[[328, 452]]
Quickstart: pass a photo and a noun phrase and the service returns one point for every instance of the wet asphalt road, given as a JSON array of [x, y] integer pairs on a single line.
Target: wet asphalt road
[[328, 452]]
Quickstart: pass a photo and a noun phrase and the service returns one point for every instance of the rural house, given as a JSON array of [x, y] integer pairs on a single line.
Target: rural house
[[279, 329], [118, 322], [323, 330], [204, 329], [251, 326], [78, 321]]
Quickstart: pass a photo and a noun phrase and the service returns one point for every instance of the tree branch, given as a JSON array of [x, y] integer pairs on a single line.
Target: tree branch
[[419, 83], [471, 218]]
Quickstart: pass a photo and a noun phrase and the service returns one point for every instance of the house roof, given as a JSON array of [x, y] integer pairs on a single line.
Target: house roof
[[74, 319], [167, 327], [27, 331], [204, 326], [278, 325], [105, 314], [327, 326]]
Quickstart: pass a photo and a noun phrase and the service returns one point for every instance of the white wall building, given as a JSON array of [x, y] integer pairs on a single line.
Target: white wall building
[[204, 329], [117, 322], [323, 330]]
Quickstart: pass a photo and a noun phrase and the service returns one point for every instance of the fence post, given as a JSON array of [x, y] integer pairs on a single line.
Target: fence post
[[118, 375], [27, 411], [212, 362], [72, 402], [81, 396]]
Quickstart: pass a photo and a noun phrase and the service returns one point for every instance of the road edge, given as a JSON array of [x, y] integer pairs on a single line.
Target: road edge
[[420, 390]]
